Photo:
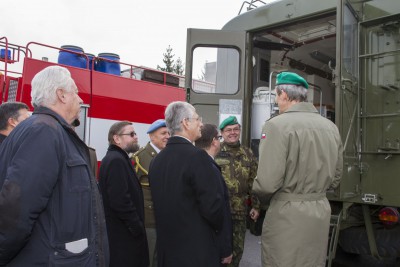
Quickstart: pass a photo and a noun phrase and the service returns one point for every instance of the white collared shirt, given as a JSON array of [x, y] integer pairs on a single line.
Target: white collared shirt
[[155, 148]]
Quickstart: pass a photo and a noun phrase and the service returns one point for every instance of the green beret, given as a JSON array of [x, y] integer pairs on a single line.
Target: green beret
[[231, 120], [291, 78]]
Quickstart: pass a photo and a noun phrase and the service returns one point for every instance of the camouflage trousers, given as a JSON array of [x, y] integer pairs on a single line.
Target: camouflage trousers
[[239, 233]]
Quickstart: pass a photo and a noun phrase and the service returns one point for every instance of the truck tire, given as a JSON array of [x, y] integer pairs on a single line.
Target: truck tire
[[354, 240], [348, 259]]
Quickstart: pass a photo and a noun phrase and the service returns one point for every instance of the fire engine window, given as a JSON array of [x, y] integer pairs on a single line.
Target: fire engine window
[[215, 70]]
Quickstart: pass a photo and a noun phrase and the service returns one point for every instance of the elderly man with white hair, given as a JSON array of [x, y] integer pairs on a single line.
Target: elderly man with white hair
[[50, 207], [187, 195]]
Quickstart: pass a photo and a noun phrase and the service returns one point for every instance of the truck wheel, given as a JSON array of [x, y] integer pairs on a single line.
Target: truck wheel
[[355, 240], [344, 259]]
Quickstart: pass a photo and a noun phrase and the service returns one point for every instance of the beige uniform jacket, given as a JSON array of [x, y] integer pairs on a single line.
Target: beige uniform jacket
[[300, 159]]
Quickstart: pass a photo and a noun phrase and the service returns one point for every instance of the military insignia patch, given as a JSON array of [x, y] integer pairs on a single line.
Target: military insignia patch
[[263, 136]]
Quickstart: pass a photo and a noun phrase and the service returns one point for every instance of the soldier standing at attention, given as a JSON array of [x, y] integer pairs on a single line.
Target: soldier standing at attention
[[159, 135], [239, 168]]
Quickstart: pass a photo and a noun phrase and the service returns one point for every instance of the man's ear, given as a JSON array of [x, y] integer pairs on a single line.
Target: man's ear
[[60, 95], [284, 95], [185, 124], [12, 122], [116, 138]]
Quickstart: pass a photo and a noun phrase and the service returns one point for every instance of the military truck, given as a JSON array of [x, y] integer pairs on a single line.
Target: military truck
[[349, 52]]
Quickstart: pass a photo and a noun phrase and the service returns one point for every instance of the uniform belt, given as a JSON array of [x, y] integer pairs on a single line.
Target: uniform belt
[[299, 197]]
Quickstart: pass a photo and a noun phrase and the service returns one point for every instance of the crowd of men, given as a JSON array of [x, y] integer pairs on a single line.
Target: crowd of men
[[181, 200]]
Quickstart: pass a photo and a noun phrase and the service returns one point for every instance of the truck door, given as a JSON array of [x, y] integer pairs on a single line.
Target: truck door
[[369, 99], [215, 69], [347, 97]]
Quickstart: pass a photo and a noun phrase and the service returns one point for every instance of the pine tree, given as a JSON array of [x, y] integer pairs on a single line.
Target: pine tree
[[178, 67], [168, 61]]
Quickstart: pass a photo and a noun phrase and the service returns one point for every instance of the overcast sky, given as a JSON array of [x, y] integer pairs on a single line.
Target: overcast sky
[[139, 31]]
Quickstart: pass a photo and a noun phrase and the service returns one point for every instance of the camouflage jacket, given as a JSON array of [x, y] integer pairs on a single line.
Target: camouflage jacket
[[239, 168]]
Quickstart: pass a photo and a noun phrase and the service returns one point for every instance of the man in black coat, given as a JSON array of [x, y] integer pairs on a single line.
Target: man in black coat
[[123, 199], [210, 142], [187, 195]]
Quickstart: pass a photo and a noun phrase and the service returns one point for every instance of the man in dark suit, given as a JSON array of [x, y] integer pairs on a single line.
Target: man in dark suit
[[123, 199], [210, 142], [187, 195]]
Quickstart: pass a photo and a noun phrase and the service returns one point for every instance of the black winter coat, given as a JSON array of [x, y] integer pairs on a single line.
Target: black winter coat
[[188, 204], [225, 236], [49, 197], [124, 210]]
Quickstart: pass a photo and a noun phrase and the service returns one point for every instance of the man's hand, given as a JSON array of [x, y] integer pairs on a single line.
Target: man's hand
[[227, 260], [254, 214]]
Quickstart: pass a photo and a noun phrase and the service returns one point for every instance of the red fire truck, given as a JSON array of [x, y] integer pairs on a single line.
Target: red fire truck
[[139, 95]]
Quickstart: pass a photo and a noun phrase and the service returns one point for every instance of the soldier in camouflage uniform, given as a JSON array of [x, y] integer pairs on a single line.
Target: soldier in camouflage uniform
[[239, 168], [159, 135]]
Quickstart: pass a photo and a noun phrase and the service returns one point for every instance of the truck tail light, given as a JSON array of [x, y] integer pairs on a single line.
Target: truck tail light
[[389, 216]]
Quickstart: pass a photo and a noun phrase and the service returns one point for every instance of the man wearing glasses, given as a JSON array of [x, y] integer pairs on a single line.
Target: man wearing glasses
[[210, 142], [187, 195], [239, 168], [123, 199]]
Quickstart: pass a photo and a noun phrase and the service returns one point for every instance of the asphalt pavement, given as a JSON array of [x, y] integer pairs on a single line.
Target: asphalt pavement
[[252, 251]]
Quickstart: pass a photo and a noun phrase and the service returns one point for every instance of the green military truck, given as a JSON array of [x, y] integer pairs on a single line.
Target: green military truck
[[349, 52]]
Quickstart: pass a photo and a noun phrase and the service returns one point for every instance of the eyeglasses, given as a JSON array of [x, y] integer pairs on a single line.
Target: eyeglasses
[[219, 137], [229, 130], [132, 134]]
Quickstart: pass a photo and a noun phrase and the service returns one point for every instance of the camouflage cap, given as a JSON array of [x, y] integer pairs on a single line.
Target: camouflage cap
[[231, 120], [291, 78]]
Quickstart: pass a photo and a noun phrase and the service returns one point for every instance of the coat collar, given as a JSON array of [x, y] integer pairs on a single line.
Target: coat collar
[[302, 107], [47, 111], [67, 127], [120, 150], [178, 140]]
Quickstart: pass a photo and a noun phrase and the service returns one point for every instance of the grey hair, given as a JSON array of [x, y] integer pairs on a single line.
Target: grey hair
[[175, 113], [294, 92], [47, 81]]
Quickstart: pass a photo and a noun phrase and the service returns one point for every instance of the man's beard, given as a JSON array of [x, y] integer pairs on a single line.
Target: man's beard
[[132, 148]]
